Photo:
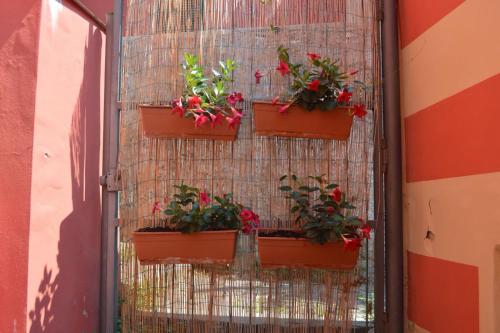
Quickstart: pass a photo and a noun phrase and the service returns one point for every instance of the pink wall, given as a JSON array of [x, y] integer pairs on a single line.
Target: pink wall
[[64, 257], [19, 22], [51, 97]]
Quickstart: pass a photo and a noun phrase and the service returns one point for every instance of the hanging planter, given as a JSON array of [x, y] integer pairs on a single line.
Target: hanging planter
[[206, 110], [327, 235], [176, 247], [298, 122], [160, 122], [197, 229], [293, 251], [319, 105]]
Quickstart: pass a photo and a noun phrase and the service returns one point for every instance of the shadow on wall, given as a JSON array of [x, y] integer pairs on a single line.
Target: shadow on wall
[[69, 300]]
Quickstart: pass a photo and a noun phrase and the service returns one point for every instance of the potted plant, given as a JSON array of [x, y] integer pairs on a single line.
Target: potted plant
[[327, 236], [205, 110], [320, 104], [194, 229]]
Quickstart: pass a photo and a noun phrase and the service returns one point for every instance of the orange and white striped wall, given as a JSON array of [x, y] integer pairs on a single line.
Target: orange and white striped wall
[[450, 99]]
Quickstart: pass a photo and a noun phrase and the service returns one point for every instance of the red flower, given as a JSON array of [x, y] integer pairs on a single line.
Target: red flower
[[283, 68], [233, 121], [251, 220], [236, 112], [283, 108], [177, 107], [194, 101], [365, 230], [234, 98], [344, 96], [204, 198], [313, 56], [247, 214], [330, 210], [353, 72], [275, 100], [156, 207], [336, 195], [258, 75], [359, 110], [216, 119], [247, 228], [200, 120], [314, 85], [351, 244]]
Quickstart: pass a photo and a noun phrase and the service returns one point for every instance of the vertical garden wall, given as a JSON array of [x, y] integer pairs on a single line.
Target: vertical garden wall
[[241, 297]]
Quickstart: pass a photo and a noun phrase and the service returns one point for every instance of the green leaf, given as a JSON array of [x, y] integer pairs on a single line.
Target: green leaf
[[285, 188]]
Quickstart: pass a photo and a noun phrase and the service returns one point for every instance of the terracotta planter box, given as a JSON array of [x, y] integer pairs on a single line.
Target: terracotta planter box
[[176, 247], [299, 123], [276, 252], [159, 122]]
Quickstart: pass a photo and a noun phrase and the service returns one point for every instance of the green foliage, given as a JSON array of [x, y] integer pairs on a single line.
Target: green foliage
[[331, 81], [320, 211], [188, 213], [212, 91], [194, 211]]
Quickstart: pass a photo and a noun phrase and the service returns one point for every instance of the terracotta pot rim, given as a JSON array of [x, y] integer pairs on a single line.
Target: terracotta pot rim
[[295, 104], [294, 238], [160, 106], [279, 238], [298, 239], [230, 231]]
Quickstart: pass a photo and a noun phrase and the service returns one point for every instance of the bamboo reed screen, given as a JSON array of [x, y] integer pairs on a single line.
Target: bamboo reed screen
[[240, 297]]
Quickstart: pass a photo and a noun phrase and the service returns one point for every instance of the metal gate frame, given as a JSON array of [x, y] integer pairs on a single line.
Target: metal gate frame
[[110, 181], [389, 300]]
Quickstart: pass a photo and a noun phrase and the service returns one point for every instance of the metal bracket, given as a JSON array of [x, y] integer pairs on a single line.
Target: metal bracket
[[112, 181]]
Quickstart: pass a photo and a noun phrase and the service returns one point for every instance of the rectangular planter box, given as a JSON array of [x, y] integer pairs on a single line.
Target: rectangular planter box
[[159, 122], [175, 247], [297, 122], [276, 252]]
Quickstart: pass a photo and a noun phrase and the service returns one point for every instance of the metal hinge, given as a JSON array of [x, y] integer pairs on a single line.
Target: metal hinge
[[112, 181]]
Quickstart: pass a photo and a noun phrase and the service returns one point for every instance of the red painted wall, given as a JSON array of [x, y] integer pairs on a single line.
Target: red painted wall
[[51, 97], [19, 27]]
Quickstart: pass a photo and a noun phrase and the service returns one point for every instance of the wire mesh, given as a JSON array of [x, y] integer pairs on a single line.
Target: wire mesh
[[241, 297]]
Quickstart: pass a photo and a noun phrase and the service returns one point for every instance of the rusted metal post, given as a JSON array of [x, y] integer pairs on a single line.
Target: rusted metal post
[[393, 175]]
